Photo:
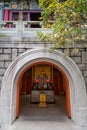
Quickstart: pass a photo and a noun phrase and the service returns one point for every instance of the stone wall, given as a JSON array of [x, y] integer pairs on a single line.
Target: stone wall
[[12, 47]]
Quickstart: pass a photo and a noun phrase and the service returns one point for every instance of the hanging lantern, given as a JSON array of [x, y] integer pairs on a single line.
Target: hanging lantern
[[37, 80], [47, 81]]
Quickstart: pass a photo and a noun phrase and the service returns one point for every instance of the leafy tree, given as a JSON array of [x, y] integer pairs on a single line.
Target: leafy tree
[[66, 18]]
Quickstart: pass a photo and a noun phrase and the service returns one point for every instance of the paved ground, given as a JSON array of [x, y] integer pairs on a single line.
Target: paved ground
[[51, 118]]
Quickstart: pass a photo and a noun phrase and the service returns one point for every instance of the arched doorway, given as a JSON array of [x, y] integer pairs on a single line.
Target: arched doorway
[[78, 95], [57, 82]]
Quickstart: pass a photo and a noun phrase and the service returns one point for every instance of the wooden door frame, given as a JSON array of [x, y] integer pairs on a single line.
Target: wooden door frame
[[68, 104]]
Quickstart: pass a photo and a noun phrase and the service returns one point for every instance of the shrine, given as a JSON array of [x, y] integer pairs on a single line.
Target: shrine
[[44, 79], [21, 11]]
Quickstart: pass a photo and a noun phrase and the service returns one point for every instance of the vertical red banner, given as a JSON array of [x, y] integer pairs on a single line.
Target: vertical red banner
[[6, 14]]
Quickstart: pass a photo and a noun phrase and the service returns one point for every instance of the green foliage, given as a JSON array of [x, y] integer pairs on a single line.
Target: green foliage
[[69, 18]]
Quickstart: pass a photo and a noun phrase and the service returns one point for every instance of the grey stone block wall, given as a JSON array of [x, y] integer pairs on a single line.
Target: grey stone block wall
[[10, 49], [81, 60]]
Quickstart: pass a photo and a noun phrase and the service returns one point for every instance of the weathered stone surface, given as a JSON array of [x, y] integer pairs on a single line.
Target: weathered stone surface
[[84, 57], [7, 51], [0, 84], [2, 71], [7, 64], [85, 73], [67, 52], [62, 50], [0, 88], [1, 78], [73, 53], [81, 66], [21, 50], [14, 53], [22, 45], [0, 50], [86, 84], [4, 57], [19, 54], [77, 59], [86, 66], [1, 64], [86, 81]]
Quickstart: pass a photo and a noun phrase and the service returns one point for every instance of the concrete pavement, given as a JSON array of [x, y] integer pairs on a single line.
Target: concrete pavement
[[51, 118]]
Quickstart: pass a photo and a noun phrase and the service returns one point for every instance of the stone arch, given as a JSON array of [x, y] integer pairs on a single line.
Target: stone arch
[[78, 96]]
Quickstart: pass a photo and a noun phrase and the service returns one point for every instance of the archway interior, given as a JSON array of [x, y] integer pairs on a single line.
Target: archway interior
[[42, 78]]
